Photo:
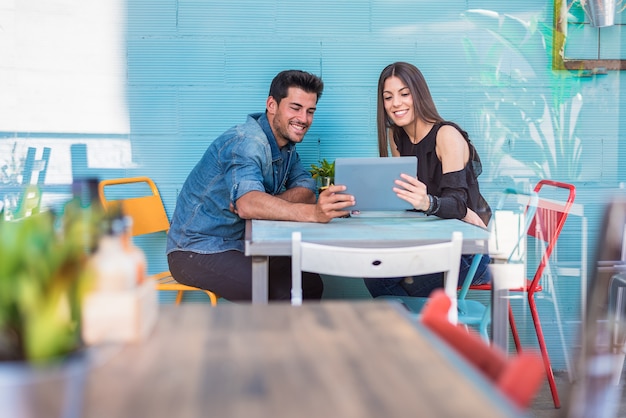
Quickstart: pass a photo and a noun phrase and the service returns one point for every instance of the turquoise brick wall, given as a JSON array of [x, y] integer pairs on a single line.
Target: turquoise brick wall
[[196, 67]]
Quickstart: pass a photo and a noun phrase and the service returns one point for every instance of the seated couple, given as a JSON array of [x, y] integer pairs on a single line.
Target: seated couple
[[252, 171]]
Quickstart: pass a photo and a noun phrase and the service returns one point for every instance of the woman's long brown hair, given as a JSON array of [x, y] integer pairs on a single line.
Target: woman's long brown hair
[[423, 104]]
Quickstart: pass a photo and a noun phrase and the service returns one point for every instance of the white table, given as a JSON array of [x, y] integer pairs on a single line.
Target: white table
[[391, 229]]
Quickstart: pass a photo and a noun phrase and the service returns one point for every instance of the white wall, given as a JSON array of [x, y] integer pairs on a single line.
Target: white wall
[[63, 71]]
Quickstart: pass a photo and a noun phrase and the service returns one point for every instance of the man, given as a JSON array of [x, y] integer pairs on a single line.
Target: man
[[252, 171]]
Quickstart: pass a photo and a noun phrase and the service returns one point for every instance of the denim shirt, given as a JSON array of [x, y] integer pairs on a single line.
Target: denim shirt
[[243, 159]]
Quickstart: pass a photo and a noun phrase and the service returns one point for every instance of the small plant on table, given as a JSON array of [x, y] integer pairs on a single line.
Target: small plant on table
[[323, 173]]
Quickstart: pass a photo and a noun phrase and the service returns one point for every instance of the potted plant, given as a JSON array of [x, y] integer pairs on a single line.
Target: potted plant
[[44, 275], [323, 173]]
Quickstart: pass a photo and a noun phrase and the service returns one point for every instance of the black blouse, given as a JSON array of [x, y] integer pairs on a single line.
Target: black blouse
[[457, 190]]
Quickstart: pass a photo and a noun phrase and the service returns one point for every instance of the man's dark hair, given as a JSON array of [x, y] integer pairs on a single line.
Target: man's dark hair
[[295, 78]]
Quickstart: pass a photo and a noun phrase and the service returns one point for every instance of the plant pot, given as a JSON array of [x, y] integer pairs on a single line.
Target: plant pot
[[52, 390], [323, 183], [601, 12]]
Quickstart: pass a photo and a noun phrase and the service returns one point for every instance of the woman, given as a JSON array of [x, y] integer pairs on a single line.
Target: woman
[[446, 184]]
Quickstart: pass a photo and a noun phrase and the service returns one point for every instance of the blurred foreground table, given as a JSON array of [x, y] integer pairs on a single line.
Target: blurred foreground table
[[330, 359]]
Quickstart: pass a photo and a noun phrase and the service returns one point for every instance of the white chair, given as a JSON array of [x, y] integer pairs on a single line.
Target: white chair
[[377, 263]]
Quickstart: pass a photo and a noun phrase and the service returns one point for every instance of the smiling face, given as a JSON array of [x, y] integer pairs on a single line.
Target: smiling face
[[398, 102], [291, 118]]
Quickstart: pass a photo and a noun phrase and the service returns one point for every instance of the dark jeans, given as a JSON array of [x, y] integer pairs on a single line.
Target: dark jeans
[[229, 274], [421, 286]]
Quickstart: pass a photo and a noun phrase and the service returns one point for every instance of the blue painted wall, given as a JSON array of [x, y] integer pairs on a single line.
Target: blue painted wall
[[197, 67]]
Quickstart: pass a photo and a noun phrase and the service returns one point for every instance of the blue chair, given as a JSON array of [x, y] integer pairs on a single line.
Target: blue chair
[[470, 312], [503, 251]]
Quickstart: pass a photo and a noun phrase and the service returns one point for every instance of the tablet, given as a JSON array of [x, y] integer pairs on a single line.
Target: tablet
[[371, 180]]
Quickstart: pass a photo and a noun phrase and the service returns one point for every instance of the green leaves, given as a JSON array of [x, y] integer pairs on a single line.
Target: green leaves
[[43, 276], [324, 169], [528, 116]]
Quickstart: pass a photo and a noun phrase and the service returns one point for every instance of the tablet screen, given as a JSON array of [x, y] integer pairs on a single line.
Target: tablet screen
[[371, 180]]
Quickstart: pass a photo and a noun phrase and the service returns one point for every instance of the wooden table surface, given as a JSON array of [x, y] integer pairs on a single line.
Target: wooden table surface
[[331, 359]]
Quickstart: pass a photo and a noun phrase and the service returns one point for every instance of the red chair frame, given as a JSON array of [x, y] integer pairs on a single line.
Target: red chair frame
[[546, 226]]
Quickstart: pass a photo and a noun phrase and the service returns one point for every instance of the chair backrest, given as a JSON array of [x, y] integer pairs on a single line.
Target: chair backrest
[[549, 219], [31, 165], [615, 260], [376, 262], [518, 378], [146, 209]]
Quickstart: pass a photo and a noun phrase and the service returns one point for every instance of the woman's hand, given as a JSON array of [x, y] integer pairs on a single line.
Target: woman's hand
[[413, 191]]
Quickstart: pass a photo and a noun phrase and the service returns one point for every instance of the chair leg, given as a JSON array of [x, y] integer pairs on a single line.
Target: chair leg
[[518, 344], [568, 366], [619, 366], [484, 324], [544, 350], [213, 297], [179, 297]]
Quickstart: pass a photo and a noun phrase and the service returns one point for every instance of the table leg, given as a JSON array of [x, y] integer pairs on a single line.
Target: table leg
[[500, 317], [260, 273]]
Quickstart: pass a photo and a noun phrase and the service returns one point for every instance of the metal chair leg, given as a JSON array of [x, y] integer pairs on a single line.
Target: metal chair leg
[[544, 350]]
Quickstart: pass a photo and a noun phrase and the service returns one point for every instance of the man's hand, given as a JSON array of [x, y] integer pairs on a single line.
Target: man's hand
[[260, 205], [332, 204]]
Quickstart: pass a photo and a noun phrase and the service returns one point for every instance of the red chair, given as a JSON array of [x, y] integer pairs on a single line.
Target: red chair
[[518, 378], [545, 227]]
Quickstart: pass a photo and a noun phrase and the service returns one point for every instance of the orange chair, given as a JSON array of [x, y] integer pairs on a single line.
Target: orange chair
[[149, 216], [518, 378], [545, 227]]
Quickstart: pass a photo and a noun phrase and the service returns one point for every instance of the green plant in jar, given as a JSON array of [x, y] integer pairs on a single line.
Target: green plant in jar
[[323, 169], [323, 173], [44, 275]]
